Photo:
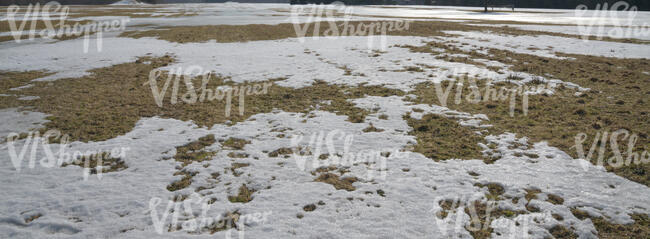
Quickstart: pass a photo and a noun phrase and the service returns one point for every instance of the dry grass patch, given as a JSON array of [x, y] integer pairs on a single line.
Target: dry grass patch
[[607, 230], [235, 166], [235, 143], [531, 193], [33, 217], [193, 151], [338, 182], [280, 151], [219, 33], [561, 232], [495, 190], [372, 128], [309, 207], [244, 195], [480, 219], [481, 215], [110, 100], [555, 199], [229, 221], [258, 32], [237, 155], [183, 182], [189, 153], [441, 138], [618, 99], [13, 79]]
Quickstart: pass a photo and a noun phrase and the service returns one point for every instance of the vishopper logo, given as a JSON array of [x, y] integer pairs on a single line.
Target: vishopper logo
[[34, 141], [600, 143], [620, 16], [35, 13], [314, 16], [342, 155], [482, 216], [205, 93], [192, 215], [490, 92]]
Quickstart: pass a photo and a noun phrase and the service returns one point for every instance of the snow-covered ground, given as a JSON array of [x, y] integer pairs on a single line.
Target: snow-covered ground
[[131, 203]]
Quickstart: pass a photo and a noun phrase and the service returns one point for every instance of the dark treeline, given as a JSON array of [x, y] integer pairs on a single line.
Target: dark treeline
[[643, 5], [367, 2]]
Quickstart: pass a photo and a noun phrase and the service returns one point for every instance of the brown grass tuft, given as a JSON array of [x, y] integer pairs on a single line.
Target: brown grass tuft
[[244, 195], [337, 182]]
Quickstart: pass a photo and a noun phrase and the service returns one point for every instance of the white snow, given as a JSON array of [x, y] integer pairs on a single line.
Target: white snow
[[597, 30], [547, 46], [300, 61], [120, 200], [19, 121]]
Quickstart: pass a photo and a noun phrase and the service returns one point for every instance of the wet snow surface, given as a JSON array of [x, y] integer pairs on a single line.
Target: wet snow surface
[[39, 201]]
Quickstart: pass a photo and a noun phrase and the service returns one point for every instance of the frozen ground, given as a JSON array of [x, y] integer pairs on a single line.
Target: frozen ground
[[40, 201]]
